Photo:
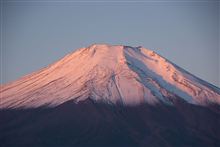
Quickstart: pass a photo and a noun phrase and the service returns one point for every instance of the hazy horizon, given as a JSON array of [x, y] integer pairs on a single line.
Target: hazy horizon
[[36, 34]]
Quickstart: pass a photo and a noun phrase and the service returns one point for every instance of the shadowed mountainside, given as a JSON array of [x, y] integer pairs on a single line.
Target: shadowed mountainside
[[96, 124]]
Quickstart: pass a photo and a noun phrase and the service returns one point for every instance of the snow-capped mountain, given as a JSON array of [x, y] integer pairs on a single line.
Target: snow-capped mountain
[[110, 74], [110, 96]]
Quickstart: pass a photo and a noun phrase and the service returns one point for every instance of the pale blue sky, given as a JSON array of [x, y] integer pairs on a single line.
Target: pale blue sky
[[37, 33]]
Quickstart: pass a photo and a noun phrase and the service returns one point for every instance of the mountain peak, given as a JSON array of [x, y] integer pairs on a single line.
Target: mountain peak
[[112, 74], [101, 46]]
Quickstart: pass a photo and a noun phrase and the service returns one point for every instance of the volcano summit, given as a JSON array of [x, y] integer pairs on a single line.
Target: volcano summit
[[105, 95]]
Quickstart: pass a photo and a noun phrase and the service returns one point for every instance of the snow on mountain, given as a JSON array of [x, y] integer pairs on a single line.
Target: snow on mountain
[[110, 74]]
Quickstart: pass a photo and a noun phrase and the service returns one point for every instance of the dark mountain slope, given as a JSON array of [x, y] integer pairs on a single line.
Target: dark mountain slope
[[97, 124]]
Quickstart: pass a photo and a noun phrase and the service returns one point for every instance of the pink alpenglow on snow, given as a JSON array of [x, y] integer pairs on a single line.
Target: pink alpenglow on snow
[[112, 74]]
